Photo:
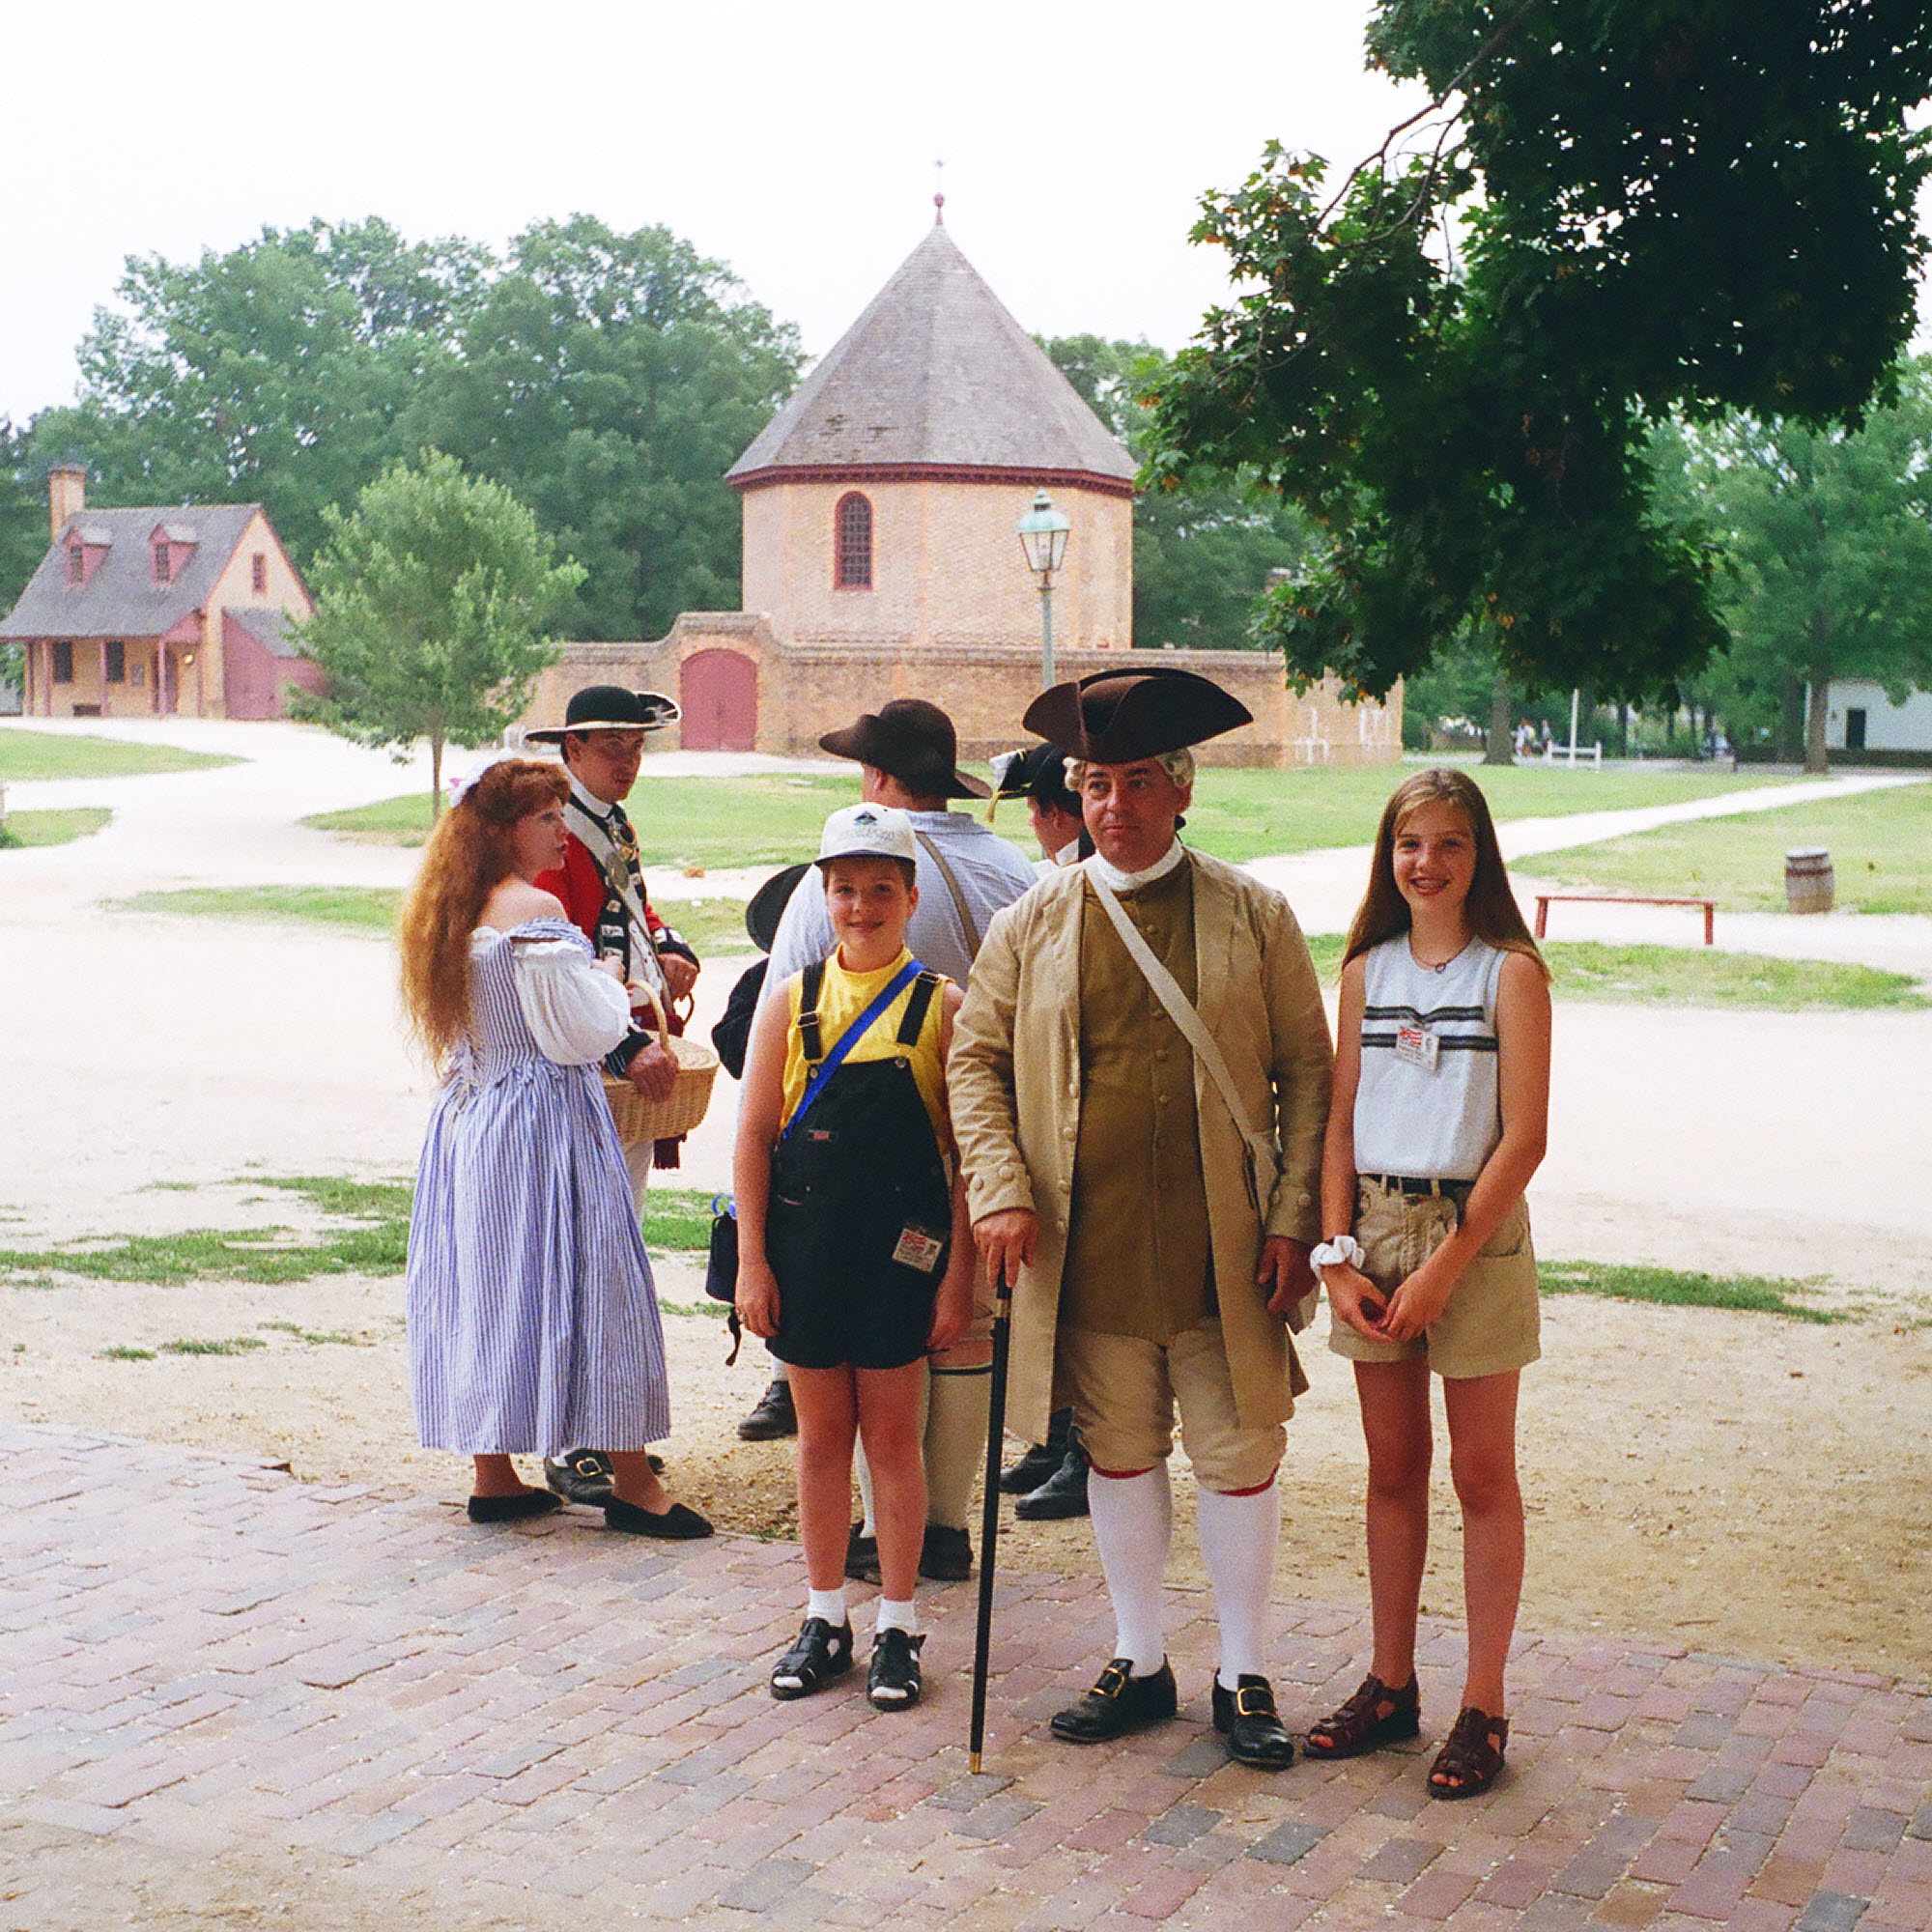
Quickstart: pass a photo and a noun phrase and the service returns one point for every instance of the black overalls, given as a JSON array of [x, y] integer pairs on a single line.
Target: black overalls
[[861, 1212]]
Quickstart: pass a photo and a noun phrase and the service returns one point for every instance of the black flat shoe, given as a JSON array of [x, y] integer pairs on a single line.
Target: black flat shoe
[[1063, 1494], [585, 1475], [818, 1655], [862, 1555], [945, 1556], [519, 1507], [1246, 1717], [1042, 1458], [1118, 1703], [677, 1525]]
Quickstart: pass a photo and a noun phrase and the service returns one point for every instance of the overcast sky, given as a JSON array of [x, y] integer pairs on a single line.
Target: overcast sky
[[794, 142]]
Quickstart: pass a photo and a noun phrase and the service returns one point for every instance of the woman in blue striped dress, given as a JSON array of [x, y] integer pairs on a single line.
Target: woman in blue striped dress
[[532, 1319]]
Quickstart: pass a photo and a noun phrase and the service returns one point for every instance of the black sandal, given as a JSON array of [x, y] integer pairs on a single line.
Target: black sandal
[[818, 1656], [1471, 1755], [1377, 1714]]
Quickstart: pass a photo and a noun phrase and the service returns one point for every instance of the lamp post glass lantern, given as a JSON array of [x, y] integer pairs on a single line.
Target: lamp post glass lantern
[[1043, 532]]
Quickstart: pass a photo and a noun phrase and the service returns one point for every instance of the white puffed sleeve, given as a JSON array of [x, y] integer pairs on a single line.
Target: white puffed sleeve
[[576, 1013]]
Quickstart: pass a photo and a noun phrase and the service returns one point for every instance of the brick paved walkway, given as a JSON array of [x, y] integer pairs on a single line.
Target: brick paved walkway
[[208, 1668]]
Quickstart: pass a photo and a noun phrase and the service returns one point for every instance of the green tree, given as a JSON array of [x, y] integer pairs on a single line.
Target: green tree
[[1616, 211], [1830, 532], [611, 380], [23, 531], [277, 373], [1204, 551], [433, 601]]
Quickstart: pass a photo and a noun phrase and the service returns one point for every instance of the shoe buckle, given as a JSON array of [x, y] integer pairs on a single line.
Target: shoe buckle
[[1254, 1700], [1112, 1681]]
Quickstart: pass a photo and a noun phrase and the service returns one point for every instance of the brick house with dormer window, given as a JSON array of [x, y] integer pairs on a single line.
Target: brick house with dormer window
[[153, 612]]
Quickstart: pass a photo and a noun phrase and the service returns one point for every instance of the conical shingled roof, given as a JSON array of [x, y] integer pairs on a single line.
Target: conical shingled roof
[[935, 375]]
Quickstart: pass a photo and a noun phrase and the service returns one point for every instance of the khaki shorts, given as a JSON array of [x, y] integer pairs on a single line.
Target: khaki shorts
[[1492, 1324], [1124, 1391]]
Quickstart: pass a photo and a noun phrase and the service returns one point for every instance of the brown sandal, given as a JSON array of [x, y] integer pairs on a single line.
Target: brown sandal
[[1471, 1755], [1374, 1716]]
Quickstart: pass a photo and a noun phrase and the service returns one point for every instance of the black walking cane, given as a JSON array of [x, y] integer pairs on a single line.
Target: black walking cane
[[989, 1517]]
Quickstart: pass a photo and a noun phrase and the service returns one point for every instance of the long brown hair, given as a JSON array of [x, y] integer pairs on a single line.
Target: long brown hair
[[1490, 910], [468, 856]]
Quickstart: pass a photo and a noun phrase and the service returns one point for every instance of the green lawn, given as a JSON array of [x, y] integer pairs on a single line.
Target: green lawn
[[1880, 842], [712, 926], [774, 818], [51, 754], [52, 828]]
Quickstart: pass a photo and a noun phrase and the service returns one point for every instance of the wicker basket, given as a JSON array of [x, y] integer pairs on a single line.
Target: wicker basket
[[640, 1120]]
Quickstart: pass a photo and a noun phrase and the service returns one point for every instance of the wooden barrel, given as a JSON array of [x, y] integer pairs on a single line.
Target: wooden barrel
[[1808, 879]]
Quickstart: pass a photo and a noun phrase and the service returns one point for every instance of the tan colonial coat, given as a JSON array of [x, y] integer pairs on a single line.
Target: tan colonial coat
[[1013, 1083]]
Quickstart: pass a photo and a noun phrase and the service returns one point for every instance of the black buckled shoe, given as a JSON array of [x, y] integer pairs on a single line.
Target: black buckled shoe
[[1118, 1703], [1041, 1460], [773, 1417], [586, 1475], [892, 1684], [1063, 1494], [818, 1655], [1246, 1717]]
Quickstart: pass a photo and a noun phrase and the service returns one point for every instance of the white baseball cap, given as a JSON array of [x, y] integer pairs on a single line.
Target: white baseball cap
[[868, 831]]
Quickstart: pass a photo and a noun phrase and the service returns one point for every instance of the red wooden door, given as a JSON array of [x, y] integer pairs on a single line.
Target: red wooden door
[[718, 693]]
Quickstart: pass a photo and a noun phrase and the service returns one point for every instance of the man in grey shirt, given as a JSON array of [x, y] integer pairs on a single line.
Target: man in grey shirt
[[907, 755]]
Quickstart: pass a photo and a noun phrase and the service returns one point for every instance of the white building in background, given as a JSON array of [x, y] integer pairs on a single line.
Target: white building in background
[[1861, 718]]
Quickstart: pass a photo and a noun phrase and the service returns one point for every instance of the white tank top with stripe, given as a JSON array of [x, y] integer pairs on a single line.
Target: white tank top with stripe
[[1440, 1121]]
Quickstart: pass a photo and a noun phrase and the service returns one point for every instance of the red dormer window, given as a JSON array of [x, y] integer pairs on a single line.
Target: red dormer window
[[76, 562], [163, 561], [853, 542]]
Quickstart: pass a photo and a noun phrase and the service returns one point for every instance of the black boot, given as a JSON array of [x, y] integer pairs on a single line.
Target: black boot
[[1063, 1494], [1042, 1460], [773, 1417]]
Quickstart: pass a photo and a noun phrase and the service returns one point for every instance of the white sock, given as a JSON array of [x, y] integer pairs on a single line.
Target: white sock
[[955, 1441], [870, 1525], [897, 1616], [1133, 1517], [1238, 1535], [829, 1604]]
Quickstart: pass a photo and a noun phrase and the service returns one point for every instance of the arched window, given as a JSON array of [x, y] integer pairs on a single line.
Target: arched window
[[853, 542]]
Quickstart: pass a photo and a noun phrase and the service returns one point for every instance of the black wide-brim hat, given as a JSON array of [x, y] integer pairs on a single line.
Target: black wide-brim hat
[[766, 906], [912, 741], [610, 707], [1116, 716]]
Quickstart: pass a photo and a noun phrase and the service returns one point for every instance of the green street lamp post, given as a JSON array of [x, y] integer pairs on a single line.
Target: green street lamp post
[[1043, 532]]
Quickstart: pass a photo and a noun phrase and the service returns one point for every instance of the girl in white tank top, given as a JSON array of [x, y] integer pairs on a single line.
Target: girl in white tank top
[[1438, 1119]]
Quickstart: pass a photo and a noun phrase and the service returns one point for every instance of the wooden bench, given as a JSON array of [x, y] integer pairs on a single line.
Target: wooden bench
[[1710, 907]]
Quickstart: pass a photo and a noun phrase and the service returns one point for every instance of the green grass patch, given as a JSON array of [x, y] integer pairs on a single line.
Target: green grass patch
[[1880, 842], [370, 909], [774, 818], [1742, 1293], [53, 754], [24, 829], [711, 1311], [200, 1345], [678, 1219], [377, 1245], [120, 1353], [1704, 977], [314, 1337]]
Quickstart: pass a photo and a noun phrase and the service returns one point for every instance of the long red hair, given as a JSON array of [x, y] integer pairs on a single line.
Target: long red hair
[[1491, 909], [468, 856]]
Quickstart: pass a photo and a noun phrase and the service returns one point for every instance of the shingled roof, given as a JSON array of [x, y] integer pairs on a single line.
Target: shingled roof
[[121, 598], [935, 375]]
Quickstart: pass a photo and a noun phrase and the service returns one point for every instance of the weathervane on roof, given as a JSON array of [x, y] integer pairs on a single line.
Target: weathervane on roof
[[939, 197]]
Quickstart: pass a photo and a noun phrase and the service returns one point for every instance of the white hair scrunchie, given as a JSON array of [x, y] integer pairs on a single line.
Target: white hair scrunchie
[[461, 787]]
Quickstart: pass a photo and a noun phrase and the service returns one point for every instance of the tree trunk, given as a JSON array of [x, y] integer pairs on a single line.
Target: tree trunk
[[1498, 749], [1815, 761], [435, 777], [1791, 721]]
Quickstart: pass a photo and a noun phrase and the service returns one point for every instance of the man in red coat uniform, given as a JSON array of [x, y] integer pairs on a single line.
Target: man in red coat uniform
[[602, 886]]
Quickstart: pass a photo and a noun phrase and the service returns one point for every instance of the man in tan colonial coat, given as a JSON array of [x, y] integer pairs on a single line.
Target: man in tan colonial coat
[[1157, 1256]]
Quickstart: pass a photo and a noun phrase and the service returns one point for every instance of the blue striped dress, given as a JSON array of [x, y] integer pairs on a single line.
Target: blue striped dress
[[532, 1317]]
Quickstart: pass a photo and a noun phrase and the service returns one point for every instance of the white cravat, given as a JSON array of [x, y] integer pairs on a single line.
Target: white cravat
[[1118, 881]]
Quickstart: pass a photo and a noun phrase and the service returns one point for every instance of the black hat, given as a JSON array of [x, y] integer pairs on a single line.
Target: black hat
[[768, 903], [1117, 716], [912, 741], [1039, 773], [610, 707]]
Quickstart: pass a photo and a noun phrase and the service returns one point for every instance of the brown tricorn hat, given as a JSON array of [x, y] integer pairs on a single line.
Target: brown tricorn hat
[[1117, 716], [912, 741]]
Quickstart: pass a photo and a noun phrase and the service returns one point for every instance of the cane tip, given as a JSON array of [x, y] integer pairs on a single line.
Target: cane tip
[[973, 1762]]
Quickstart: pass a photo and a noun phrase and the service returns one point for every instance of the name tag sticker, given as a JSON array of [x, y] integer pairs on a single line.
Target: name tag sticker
[[916, 1250], [1417, 1047]]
